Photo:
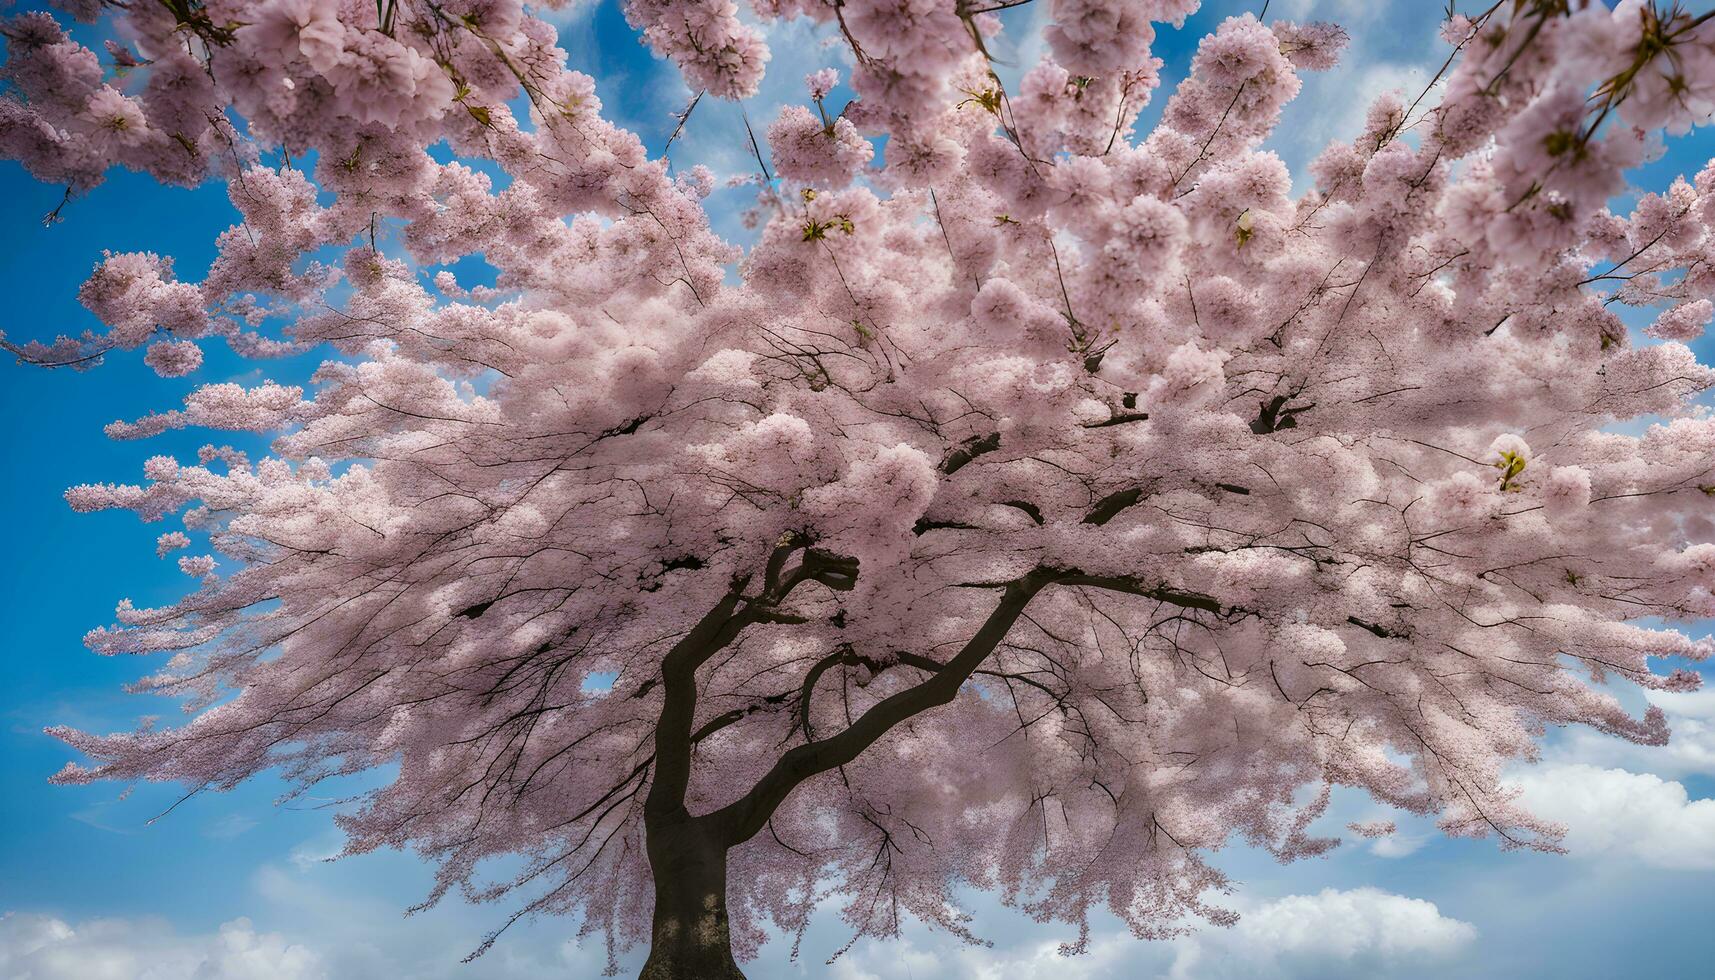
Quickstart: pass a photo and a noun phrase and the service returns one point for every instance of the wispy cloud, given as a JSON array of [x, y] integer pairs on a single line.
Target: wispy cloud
[[230, 826], [41, 947], [1363, 932]]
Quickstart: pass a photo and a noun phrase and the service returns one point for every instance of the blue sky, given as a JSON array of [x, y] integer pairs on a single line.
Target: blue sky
[[236, 887]]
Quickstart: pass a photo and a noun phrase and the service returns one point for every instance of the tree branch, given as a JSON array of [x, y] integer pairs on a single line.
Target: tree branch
[[968, 450], [679, 701], [739, 821], [744, 818], [1109, 507]]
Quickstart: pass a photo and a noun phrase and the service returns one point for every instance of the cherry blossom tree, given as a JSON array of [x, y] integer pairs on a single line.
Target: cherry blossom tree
[[1036, 506]]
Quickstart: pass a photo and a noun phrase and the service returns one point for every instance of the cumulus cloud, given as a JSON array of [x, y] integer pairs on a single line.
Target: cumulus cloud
[[1343, 12], [570, 13], [41, 947], [1334, 104], [1393, 48], [361, 935], [1112, 957], [1362, 932], [1615, 813]]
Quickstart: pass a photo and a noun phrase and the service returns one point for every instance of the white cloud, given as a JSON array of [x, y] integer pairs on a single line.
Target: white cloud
[[1691, 750], [1612, 812], [1359, 933], [317, 850], [360, 933], [1399, 844], [1342, 12], [1400, 52], [230, 826], [1363, 932], [329, 930], [1111, 956], [40, 947], [1691, 715], [1334, 104], [571, 13], [876, 961]]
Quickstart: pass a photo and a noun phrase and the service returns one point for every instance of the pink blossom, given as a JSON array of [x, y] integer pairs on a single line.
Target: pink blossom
[[1373, 829], [171, 541], [1684, 322], [816, 153], [820, 82], [1095, 37], [197, 566], [173, 358], [1462, 497], [1566, 491], [1311, 47], [288, 28], [115, 120]]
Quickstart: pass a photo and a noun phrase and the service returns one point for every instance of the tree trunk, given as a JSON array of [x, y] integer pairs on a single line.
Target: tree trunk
[[691, 939]]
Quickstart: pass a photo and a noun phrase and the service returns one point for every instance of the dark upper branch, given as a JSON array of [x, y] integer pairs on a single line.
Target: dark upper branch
[[1101, 512], [847, 656], [1107, 508], [968, 450], [715, 630], [1110, 506], [1131, 586], [837, 572], [736, 715], [1276, 414], [745, 817], [1118, 418], [844, 655], [719, 627], [1377, 629], [742, 819]]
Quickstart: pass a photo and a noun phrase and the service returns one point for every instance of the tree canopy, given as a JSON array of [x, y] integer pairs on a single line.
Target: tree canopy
[[1035, 506]]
